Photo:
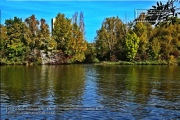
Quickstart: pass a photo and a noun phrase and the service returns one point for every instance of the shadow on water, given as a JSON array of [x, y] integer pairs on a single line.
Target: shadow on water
[[124, 92]]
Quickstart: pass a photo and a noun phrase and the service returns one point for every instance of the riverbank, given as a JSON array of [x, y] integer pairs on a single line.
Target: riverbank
[[163, 62], [137, 63]]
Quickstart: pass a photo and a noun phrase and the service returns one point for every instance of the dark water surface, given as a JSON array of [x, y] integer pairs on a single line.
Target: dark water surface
[[90, 92]]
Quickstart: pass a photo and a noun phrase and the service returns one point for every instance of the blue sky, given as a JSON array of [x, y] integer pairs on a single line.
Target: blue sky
[[94, 11]]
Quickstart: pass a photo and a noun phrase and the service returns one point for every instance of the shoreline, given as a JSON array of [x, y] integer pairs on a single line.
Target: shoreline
[[99, 63]]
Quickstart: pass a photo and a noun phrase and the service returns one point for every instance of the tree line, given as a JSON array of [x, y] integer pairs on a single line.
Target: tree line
[[154, 36]]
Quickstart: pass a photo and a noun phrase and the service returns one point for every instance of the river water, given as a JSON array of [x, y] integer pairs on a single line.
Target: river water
[[90, 92]]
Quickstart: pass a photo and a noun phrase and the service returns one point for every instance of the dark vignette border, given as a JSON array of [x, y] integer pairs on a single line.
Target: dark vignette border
[[0, 68]]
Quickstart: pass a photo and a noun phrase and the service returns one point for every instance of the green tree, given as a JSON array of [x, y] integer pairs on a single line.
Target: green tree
[[3, 43], [91, 53], [32, 23], [143, 30], [70, 37], [76, 46], [44, 35], [62, 31], [15, 46], [108, 36], [3, 37], [155, 47], [131, 44], [167, 37]]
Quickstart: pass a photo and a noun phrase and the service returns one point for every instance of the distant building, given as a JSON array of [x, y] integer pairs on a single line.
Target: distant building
[[52, 23]]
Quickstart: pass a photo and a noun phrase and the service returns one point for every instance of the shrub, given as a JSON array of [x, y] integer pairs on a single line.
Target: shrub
[[172, 60]]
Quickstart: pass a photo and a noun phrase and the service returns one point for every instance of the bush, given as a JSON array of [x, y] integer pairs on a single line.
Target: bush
[[3, 61], [113, 58], [39, 61], [95, 60], [179, 60], [172, 60]]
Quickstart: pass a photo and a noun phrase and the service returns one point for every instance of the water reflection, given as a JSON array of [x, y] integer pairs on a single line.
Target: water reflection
[[131, 92], [36, 86], [68, 84], [135, 91]]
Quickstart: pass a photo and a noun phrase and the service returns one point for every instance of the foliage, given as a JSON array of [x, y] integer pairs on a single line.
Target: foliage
[[91, 54], [155, 47], [44, 40], [3, 36], [143, 31], [15, 44], [163, 14], [138, 42], [172, 60], [76, 46], [131, 45], [62, 31], [164, 41], [70, 37], [32, 23], [108, 36]]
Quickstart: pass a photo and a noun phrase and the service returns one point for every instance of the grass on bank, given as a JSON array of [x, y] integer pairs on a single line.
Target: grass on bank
[[97, 62], [163, 62]]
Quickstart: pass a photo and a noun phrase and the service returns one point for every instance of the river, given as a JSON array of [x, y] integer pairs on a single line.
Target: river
[[90, 92]]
